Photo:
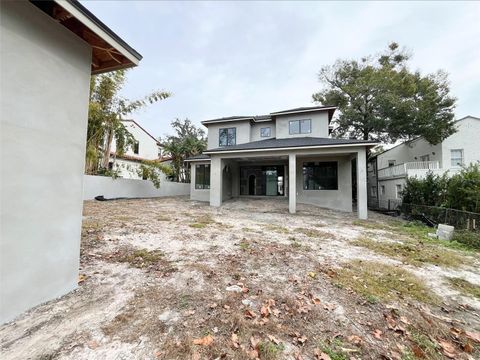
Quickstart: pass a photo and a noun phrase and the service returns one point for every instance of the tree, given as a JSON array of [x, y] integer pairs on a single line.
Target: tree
[[188, 141], [106, 110], [379, 98]]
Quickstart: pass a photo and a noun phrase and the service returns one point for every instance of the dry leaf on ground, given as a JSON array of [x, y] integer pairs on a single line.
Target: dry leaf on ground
[[205, 341]]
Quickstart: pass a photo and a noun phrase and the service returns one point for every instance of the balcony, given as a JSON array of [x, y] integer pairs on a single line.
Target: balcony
[[416, 168]]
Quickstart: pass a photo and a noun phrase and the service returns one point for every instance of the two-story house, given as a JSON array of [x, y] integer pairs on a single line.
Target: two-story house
[[287, 153], [388, 171], [146, 147]]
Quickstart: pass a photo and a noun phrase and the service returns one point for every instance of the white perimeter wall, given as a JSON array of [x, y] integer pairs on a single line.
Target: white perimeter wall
[[130, 188], [45, 80]]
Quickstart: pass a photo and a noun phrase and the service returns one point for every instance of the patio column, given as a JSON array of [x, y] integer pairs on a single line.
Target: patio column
[[292, 186], [362, 208], [216, 181]]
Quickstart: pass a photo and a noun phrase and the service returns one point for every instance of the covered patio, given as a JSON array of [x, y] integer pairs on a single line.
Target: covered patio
[[332, 177]]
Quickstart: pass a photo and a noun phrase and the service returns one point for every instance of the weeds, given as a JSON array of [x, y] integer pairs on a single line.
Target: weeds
[[270, 351], [382, 281], [465, 287]]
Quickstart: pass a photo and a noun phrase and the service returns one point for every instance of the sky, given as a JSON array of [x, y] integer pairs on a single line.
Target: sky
[[251, 58]]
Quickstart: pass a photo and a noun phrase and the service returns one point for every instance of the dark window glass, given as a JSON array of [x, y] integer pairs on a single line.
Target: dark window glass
[[266, 132], [227, 136], [202, 177], [300, 126], [320, 175], [136, 147]]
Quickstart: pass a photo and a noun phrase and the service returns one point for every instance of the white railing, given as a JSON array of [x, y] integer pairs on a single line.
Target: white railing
[[402, 169]]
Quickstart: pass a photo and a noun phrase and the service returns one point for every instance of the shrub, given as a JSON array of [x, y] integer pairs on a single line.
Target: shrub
[[463, 192], [469, 238], [431, 191]]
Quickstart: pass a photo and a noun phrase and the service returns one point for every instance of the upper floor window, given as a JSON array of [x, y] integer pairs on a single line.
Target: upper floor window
[[456, 157], [227, 137], [300, 126], [391, 163], [136, 147], [320, 175], [266, 132]]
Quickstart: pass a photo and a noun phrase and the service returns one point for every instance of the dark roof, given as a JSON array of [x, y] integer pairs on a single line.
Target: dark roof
[[254, 118], [104, 27], [275, 143], [305, 108], [198, 157]]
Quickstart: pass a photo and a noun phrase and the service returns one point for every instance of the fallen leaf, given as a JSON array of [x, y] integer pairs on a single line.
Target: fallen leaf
[[213, 306], [320, 355], [473, 336], [196, 356], [92, 344], [235, 341], [81, 278], [273, 339], [448, 348], [312, 274], [254, 341], [205, 341], [249, 314], [418, 352], [354, 339], [316, 301], [377, 334], [468, 348]]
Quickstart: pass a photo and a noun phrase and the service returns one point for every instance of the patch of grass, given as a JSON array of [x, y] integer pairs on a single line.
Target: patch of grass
[[270, 351], [382, 281], [369, 224], [465, 287], [125, 218], [314, 233], [277, 228], [244, 245], [334, 350], [412, 252], [142, 257], [430, 349], [184, 301], [163, 218], [202, 221], [469, 239]]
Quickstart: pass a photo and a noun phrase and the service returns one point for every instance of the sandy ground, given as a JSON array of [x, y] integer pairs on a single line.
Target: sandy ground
[[288, 304]]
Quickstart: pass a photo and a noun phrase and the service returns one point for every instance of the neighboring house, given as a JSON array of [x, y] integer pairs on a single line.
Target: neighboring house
[[146, 147], [388, 171], [286, 153], [48, 50]]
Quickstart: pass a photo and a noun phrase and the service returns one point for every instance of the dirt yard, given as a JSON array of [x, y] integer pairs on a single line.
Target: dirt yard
[[174, 279]]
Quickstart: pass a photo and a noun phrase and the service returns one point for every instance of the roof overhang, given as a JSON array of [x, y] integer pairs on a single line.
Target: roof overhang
[[197, 160], [309, 147], [109, 51]]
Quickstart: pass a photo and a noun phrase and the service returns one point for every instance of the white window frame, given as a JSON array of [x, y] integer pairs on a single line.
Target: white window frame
[[455, 159]]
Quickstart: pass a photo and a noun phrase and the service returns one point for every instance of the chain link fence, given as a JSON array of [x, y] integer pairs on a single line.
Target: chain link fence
[[464, 220]]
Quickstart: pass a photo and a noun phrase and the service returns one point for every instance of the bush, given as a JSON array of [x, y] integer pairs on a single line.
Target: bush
[[469, 238], [461, 191]]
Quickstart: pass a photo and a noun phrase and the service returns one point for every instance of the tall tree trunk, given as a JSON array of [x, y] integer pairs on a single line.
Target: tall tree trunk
[[108, 146]]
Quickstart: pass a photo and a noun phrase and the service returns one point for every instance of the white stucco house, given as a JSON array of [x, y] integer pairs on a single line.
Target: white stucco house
[[146, 147], [287, 154], [388, 171], [48, 50]]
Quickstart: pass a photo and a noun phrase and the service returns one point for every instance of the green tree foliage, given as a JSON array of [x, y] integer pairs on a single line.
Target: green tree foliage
[[152, 170], [106, 110], [187, 141], [379, 98], [461, 191]]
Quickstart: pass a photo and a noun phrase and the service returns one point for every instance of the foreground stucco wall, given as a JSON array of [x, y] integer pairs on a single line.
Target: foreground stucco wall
[[340, 199], [198, 194], [130, 188], [45, 73]]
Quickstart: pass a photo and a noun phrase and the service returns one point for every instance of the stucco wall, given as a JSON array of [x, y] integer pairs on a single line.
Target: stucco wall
[[319, 125], [130, 188], [198, 194], [148, 148], [255, 130], [45, 78], [466, 138], [340, 199], [242, 132], [390, 191]]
